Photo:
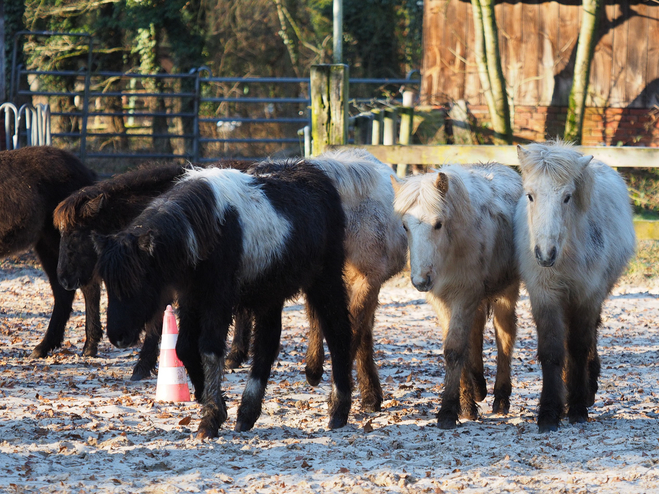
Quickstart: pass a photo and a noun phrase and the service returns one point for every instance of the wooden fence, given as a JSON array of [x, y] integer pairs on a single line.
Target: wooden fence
[[330, 123]]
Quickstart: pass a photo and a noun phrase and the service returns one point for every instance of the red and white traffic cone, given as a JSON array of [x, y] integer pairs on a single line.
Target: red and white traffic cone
[[172, 380]]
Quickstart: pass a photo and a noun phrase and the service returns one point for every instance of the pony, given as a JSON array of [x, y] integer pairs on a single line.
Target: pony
[[459, 223], [574, 238], [222, 242], [376, 249], [107, 207], [33, 181]]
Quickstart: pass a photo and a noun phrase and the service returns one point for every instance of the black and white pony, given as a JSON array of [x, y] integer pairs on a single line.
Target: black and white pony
[[222, 241], [107, 207], [33, 181], [574, 238], [375, 248]]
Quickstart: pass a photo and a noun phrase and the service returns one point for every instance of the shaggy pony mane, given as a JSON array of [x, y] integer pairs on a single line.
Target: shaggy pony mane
[[556, 159]]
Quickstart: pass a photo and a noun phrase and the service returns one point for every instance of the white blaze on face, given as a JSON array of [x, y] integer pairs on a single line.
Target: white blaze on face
[[547, 210], [422, 242]]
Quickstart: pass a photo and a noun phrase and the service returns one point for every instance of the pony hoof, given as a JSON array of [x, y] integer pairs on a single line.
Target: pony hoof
[[447, 420], [139, 374], [231, 363], [337, 422], [578, 418], [371, 406], [547, 427], [242, 426], [89, 351], [447, 424], [39, 352], [501, 406], [206, 433], [480, 388], [469, 415], [313, 376]]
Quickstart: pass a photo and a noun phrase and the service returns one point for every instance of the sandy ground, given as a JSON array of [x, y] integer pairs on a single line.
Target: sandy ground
[[73, 424]]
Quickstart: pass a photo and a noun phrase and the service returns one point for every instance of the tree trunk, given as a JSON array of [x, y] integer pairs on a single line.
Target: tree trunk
[[585, 49], [490, 71]]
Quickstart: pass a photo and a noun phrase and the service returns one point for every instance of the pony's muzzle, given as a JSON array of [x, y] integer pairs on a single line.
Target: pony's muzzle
[[548, 260], [423, 284], [123, 341], [68, 284]]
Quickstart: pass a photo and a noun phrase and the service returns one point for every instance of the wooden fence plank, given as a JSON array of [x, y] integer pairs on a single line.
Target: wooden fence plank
[[621, 157], [637, 51]]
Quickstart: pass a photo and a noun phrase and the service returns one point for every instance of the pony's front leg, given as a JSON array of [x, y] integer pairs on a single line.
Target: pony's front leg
[[93, 330], [456, 355], [551, 353], [581, 342], [47, 252], [187, 349], [267, 333], [148, 357], [212, 343]]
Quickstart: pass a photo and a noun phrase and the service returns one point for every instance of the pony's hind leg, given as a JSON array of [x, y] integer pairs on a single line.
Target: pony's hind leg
[[47, 252], [505, 330], [327, 302], [146, 362], [242, 335], [267, 334], [477, 376], [315, 351], [93, 329], [581, 340]]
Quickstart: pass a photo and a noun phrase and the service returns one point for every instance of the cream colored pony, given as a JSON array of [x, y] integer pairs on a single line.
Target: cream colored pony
[[574, 237], [459, 224]]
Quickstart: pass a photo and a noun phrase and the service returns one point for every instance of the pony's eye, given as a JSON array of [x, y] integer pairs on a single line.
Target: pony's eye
[[404, 227], [438, 225], [530, 197], [567, 199]]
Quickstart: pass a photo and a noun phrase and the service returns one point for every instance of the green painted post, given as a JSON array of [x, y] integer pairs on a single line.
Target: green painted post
[[329, 106]]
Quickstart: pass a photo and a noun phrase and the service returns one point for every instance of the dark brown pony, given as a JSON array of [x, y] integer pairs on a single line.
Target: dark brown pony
[[33, 181]]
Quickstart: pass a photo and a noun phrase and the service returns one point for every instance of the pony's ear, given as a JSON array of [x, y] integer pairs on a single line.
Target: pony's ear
[[395, 184], [584, 184], [93, 206], [441, 182], [147, 242], [522, 157], [584, 160]]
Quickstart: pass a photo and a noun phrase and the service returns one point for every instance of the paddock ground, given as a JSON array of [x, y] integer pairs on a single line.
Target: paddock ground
[[73, 424]]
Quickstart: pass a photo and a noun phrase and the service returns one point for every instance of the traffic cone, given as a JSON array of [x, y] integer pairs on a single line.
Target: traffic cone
[[172, 380]]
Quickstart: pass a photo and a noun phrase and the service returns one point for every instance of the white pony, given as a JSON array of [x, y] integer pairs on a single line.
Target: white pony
[[459, 224], [574, 237]]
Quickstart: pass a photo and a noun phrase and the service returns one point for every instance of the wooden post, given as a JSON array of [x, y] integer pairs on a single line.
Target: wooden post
[[406, 116], [389, 133], [329, 106], [376, 130]]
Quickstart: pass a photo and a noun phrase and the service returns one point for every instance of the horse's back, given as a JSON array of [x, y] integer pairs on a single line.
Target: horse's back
[[33, 181]]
